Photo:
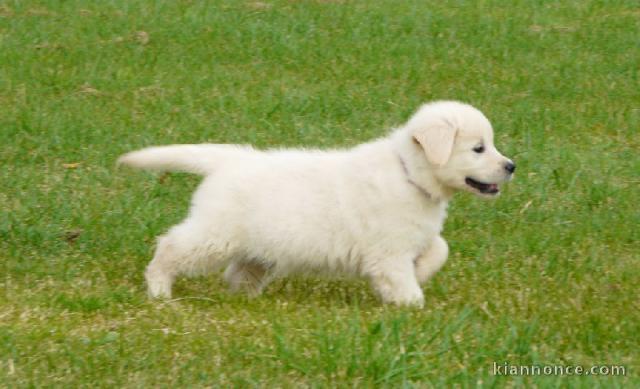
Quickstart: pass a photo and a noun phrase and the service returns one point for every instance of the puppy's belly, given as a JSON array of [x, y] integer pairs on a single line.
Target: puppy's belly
[[335, 252], [291, 251]]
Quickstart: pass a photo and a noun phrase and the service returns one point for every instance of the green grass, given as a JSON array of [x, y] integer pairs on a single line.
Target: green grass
[[547, 274]]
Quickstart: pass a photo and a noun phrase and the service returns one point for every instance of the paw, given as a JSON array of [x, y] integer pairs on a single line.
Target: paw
[[158, 285], [409, 300], [428, 264], [407, 293]]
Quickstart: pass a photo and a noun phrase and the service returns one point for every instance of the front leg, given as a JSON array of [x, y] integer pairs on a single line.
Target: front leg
[[395, 280], [432, 259]]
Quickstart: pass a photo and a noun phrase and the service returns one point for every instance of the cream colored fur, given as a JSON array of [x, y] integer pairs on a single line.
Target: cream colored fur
[[375, 210]]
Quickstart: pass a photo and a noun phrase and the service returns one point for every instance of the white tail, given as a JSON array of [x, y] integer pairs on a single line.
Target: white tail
[[199, 159]]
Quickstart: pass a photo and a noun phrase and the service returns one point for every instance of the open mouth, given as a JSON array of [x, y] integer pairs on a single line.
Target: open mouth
[[482, 187]]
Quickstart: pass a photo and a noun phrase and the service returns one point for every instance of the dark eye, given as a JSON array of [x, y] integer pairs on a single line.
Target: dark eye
[[479, 149]]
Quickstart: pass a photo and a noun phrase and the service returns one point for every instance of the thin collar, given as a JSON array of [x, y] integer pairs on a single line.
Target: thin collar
[[410, 181]]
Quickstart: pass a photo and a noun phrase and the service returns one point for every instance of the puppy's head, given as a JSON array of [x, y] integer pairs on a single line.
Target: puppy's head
[[457, 140]]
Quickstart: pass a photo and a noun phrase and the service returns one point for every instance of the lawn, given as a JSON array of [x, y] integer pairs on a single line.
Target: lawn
[[547, 274]]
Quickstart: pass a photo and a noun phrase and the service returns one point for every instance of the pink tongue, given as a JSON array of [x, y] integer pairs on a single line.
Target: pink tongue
[[493, 186]]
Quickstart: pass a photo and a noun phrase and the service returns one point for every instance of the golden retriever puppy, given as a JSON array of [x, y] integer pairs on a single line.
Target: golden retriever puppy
[[375, 210]]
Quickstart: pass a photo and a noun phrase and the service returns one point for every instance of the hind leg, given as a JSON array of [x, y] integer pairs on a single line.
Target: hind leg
[[252, 276], [161, 271], [185, 249]]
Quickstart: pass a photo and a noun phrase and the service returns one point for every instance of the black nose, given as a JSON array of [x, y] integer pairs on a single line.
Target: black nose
[[510, 167]]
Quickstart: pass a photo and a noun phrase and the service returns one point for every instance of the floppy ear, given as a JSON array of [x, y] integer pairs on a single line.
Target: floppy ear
[[436, 140]]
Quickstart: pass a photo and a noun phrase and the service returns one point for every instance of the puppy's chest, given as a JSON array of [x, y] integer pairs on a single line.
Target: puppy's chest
[[430, 220], [411, 223]]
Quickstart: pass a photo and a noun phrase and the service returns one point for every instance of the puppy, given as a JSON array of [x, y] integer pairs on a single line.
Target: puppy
[[375, 210]]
